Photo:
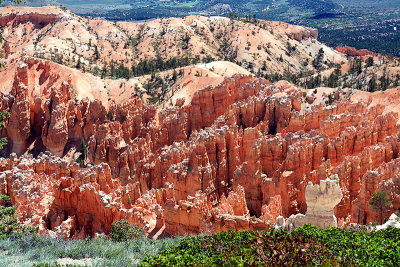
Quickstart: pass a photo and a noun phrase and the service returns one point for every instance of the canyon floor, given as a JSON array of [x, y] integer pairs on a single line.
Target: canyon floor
[[202, 143]]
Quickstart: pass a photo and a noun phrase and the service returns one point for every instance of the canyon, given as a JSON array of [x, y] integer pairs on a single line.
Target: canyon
[[235, 154]]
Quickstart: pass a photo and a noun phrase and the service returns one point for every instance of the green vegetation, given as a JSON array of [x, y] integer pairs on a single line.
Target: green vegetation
[[317, 63], [372, 85], [29, 250], [83, 153], [151, 66], [123, 231], [331, 99], [367, 24], [307, 245], [22, 246], [17, 2], [3, 115], [380, 202], [126, 246], [356, 67], [370, 62], [146, 66], [9, 226]]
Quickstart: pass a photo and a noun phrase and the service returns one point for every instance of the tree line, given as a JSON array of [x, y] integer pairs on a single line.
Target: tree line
[[146, 66]]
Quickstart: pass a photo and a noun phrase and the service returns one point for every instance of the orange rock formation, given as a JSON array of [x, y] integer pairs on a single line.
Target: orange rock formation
[[234, 156], [239, 155], [351, 51]]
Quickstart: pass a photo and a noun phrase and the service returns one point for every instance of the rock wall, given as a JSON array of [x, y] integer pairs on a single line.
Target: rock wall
[[39, 20], [352, 51], [239, 155]]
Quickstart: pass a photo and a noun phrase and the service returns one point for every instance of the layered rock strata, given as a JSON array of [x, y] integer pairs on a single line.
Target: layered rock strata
[[239, 155]]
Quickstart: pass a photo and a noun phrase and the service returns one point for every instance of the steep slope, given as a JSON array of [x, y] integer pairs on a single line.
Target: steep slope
[[65, 38]]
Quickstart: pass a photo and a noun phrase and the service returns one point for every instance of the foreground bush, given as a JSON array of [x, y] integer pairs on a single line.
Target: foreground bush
[[307, 245], [123, 231], [304, 246]]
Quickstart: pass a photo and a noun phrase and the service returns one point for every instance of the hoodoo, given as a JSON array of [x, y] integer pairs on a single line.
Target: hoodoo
[[186, 151], [321, 200]]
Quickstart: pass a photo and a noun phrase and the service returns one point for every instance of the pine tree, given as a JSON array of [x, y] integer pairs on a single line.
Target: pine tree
[[174, 76], [372, 86], [380, 202], [317, 63], [83, 153], [96, 53], [370, 62], [78, 64]]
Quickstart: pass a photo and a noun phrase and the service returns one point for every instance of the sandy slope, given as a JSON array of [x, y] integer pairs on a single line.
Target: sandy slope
[[69, 37], [389, 98], [43, 75]]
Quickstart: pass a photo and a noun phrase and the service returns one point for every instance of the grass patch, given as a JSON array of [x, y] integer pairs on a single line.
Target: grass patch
[[26, 251]]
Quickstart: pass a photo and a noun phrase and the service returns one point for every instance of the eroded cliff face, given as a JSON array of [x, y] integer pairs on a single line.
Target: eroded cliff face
[[239, 155]]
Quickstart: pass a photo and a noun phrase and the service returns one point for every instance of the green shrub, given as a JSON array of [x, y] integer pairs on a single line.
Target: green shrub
[[55, 264], [308, 245], [9, 225], [124, 231], [153, 100], [123, 117]]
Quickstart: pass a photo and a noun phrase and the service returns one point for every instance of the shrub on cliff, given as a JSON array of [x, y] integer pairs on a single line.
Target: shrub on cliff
[[380, 202], [124, 231], [9, 225]]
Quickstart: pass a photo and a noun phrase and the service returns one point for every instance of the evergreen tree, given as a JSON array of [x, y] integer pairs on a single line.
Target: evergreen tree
[[356, 66], [104, 72], [174, 76], [380, 202], [370, 62], [112, 69], [78, 64], [384, 82], [317, 63], [96, 53], [83, 153], [372, 86]]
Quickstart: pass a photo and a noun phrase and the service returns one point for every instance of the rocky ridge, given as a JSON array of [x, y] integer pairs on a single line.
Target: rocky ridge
[[63, 37]]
